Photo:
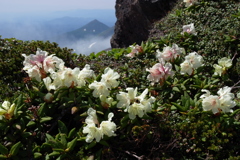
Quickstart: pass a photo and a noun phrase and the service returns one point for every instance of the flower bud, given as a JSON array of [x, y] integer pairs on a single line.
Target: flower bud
[[48, 97]]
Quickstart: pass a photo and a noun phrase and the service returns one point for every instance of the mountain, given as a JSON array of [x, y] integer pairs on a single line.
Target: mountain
[[66, 24], [93, 28]]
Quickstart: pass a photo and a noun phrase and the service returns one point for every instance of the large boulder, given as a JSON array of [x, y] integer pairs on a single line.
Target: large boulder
[[135, 18]]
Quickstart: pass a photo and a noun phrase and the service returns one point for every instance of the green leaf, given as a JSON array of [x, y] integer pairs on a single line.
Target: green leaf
[[15, 148], [3, 149], [37, 155], [72, 133], [54, 153], [176, 89], [91, 145], [104, 143], [62, 127], [64, 140], [49, 137], [42, 110], [45, 119], [31, 123], [71, 144], [3, 157]]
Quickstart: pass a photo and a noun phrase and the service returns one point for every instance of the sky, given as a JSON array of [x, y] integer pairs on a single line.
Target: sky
[[26, 6]]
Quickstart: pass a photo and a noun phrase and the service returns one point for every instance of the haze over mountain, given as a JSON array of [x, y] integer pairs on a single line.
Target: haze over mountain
[[89, 37], [48, 26]]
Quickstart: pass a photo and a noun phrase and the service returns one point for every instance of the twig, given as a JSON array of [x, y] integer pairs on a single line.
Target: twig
[[134, 155]]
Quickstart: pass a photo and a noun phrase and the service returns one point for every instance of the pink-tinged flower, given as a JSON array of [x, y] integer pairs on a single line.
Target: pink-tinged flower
[[189, 29], [43, 63], [189, 2], [210, 102], [135, 51], [169, 53], [160, 72], [223, 102]]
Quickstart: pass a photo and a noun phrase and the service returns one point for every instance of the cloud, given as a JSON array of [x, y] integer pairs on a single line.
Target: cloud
[[87, 45]]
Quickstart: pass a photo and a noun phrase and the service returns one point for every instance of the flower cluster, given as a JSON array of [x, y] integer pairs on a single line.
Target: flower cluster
[[223, 64], [169, 53], [68, 77], [135, 51], [97, 132], [160, 72], [189, 29], [39, 65], [221, 102], [108, 81], [192, 61], [133, 104]]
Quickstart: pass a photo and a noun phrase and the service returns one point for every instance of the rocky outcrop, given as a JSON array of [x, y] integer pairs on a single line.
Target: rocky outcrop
[[135, 18]]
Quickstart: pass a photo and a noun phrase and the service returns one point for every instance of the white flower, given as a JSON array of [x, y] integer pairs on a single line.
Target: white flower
[[65, 78], [105, 128], [224, 101], [133, 104], [109, 77], [92, 117], [225, 92], [108, 128], [106, 102], [7, 109], [186, 67], [189, 29], [48, 83], [210, 103], [195, 59], [124, 99], [223, 64], [135, 109], [52, 64], [218, 69], [93, 133], [238, 95], [35, 73], [169, 53], [189, 2], [100, 88]]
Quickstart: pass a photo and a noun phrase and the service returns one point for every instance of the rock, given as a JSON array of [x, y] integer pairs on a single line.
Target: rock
[[135, 18]]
